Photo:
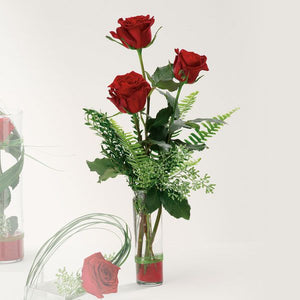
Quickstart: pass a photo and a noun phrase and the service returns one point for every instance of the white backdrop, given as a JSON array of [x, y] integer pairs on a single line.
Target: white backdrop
[[242, 241]]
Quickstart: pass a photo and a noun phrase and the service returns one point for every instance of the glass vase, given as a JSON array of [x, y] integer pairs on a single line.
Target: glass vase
[[148, 242], [11, 165]]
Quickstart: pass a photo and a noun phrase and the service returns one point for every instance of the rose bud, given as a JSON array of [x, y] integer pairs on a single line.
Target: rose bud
[[187, 65], [135, 31], [99, 276], [6, 127], [129, 92]]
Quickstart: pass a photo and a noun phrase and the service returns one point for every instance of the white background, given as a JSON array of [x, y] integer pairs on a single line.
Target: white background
[[241, 242]]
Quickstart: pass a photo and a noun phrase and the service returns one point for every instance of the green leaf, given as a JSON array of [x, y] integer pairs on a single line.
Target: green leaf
[[163, 73], [163, 116], [11, 176], [12, 224], [159, 121], [113, 40], [186, 104], [177, 124], [159, 133], [189, 146], [213, 120], [104, 167], [153, 199], [161, 144], [171, 102], [169, 85], [176, 208], [155, 36], [211, 125], [6, 197], [14, 145], [163, 78]]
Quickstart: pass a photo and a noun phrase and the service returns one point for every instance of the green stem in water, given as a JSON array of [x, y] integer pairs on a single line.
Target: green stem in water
[[156, 224], [140, 238]]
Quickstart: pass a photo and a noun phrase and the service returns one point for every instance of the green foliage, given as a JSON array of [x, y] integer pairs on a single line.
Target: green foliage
[[186, 104], [104, 167], [161, 166], [135, 153], [9, 179], [208, 129], [169, 180], [163, 78], [69, 284], [112, 144], [203, 183], [110, 256], [153, 199], [177, 207], [8, 226]]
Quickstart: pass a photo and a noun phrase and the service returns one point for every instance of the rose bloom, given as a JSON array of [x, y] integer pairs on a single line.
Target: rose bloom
[[129, 92], [6, 127], [99, 276], [135, 31], [188, 65]]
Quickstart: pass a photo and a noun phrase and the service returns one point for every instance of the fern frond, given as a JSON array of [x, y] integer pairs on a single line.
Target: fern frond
[[187, 103], [135, 152], [111, 146], [207, 129]]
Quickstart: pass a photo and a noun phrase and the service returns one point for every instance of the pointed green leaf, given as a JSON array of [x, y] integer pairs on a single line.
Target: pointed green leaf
[[104, 168], [171, 102], [176, 208], [153, 199], [161, 144]]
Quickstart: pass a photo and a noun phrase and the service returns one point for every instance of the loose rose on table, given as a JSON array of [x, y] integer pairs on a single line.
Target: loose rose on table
[[129, 92], [187, 65], [6, 127], [99, 276], [134, 32]]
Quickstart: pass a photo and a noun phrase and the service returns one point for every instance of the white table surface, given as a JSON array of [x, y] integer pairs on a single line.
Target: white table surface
[[217, 271]]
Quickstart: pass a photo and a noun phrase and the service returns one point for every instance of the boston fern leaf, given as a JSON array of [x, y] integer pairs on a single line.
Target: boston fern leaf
[[187, 103], [112, 147], [134, 150], [207, 129]]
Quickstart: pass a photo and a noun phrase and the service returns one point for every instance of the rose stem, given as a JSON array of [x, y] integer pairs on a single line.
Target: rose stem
[[156, 224], [140, 237], [175, 107], [139, 51], [137, 126]]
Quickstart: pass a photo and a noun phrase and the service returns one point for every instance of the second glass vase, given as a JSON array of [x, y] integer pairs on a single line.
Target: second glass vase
[[148, 242], [11, 165]]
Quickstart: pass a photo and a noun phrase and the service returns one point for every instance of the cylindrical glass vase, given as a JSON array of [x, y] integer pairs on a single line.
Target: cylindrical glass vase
[[148, 242], [11, 165]]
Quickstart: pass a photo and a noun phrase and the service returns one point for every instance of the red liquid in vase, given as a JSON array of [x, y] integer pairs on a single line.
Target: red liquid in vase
[[12, 249], [150, 273]]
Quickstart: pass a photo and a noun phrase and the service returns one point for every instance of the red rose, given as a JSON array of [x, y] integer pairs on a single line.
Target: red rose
[[6, 127], [129, 92], [99, 276], [188, 65], [134, 31]]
